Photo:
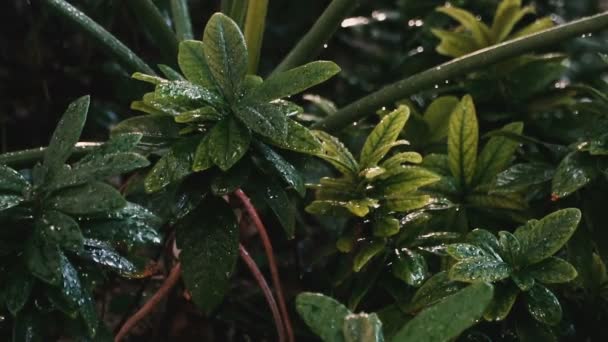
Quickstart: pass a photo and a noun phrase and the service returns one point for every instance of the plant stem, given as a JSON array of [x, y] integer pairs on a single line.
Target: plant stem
[[162, 292], [458, 67], [323, 29], [274, 270], [104, 38], [238, 11], [153, 20], [254, 32], [259, 277], [29, 157], [181, 19]]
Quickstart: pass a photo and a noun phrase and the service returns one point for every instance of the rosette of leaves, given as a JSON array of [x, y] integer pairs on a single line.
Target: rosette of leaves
[[217, 112], [519, 264], [473, 34], [376, 189], [60, 230], [442, 322], [466, 176]]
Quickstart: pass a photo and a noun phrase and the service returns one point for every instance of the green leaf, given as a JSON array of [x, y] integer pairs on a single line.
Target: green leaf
[[574, 172], [477, 269], [437, 116], [433, 290], [118, 143], [409, 266], [541, 239], [206, 113], [513, 201], [324, 315], [74, 293], [176, 96], [407, 203], [520, 177], [454, 44], [284, 169], [103, 254], [543, 305], [406, 181], [383, 137], [170, 73], [553, 270], [293, 81], [523, 280], [362, 328], [510, 248], [395, 162], [537, 26], [299, 139], [91, 198], [485, 240], [280, 204], [266, 119], [462, 141], [504, 298], [445, 320], [367, 253], [386, 226], [479, 30], [155, 129], [66, 134], [529, 330], [497, 154], [174, 166], [192, 62], [202, 156], [18, 288], [335, 153], [209, 249], [230, 141], [226, 54], [11, 180], [43, 260], [9, 201], [60, 229], [461, 251], [508, 14]]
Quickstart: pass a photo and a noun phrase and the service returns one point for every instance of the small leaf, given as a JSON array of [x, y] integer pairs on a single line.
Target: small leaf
[[497, 154], [520, 177], [62, 230], [226, 54], [433, 290], [104, 255], [367, 253], [574, 172], [541, 239], [461, 251], [91, 198], [411, 267], [408, 180], [454, 44], [479, 30], [9, 201], [174, 166], [66, 134], [448, 318], [299, 139], [155, 129], [230, 141], [324, 315], [437, 116], [293, 81], [504, 298], [398, 159], [508, 14], [510, 248], [280, 204], [407, 202], [334, 152], [477, 269], [537, 26], [202, 156], [543, 305], [11, 180], [284, 169], [382, 137], [485, 240], [192, 62], [206, 113], [266, 119], [362, 328], [209, 245], [386, 226], [553, 270], [523, 280], [462, 141], [77, 295]]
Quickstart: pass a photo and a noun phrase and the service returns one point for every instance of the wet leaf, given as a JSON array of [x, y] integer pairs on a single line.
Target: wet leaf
[[479, 30], [504, 298], [11, 180], [508, 14], [383, 137], [324, 315], [448, 318], [462, 141], [275, 196], [386, 226], [497, 154], [60, 229], [299, 139], [203, 114], [226, 54], [74, 293], [461, 251], [174, 166], [91, 198], [543, 305], [510, 248], [43, 260], [9, 201], [209, 245], [553, 270], [334, 152], [523, 280], [230, 141], [406, 181], [362, 327], [410, 267], [104, 255], [437, 116], [574, 172], [367, 253], [28, 327], [520, 177], [202, 156], [284, 169], [266, 119], [477, 269], [155, 129], [407, 202], [192, 62], [433, 290]]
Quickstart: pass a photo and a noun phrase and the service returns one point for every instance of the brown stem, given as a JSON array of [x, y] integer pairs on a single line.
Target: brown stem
[[162, 292], [259, 277], [274, 271]]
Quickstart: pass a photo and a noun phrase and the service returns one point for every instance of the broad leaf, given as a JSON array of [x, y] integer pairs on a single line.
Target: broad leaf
[[91, 198], [479, 30], [553, 270], [462, 141], [324, 315], [209, 249], [299, 139], [433, 290], [334, 152], [574, 172], [77, 296], [66, 134], [367, 253], [273, 194], [192, 62], [293, 81], [386, 226], [541, 239], [11, 180], [62, 230], [454, 44], [362, 328], [521, 176], [508, 14], [105, 255], [448, 318], [407, 203], [410, 267], [437, 116], [543, 305], [173, 166], [477, 269], [9, 201], [383, 137], [461, 251], [43, 260], [284, 169], [266, 119], [230, 141], [155, 129], [226, 54], [504, 298], [406, 181], [497, 154]]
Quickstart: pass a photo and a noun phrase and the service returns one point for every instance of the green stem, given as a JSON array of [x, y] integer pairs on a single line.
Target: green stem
[[254, 32], [104, 38], [181, 19], [29, 157], [238, 11], [319, 34], [153, 20], [459, 67]]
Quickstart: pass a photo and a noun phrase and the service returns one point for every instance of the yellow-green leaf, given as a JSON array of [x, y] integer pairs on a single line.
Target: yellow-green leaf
[[335, 153], [463, 137], [497, 154], [192, 62], [230, 141], [508, 14], [382, 137], [479, 30]]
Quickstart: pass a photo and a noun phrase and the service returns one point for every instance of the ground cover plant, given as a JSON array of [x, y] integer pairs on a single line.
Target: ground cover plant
[[340, 171]]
